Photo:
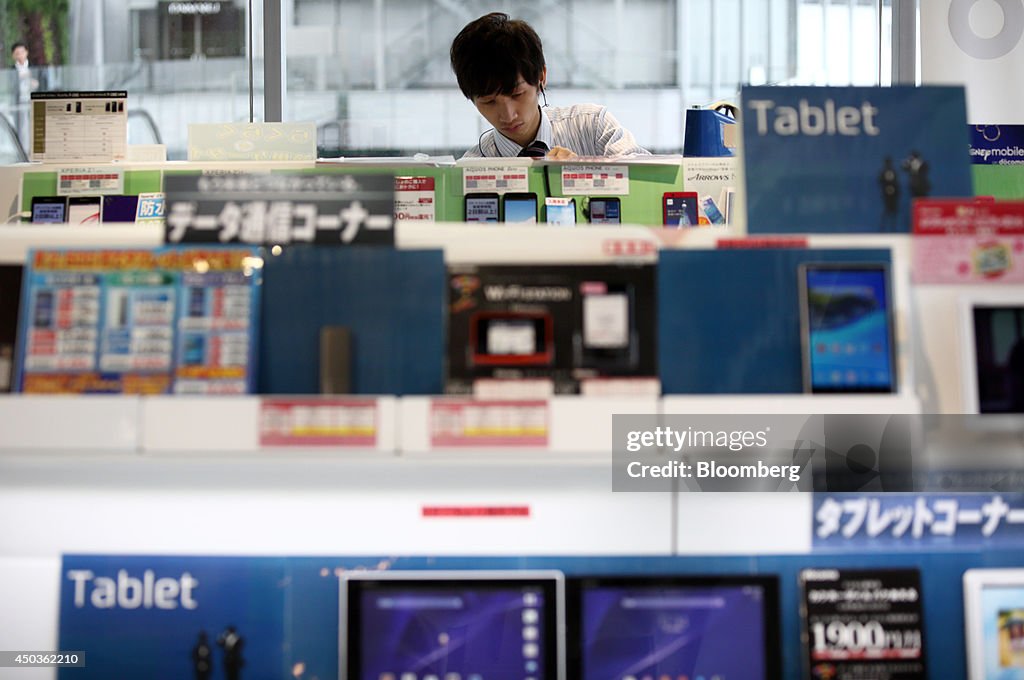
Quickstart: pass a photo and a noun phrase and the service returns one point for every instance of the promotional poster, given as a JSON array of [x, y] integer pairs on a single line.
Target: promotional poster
[[863, 624], [967, 242], [893, 144], [566, 324], [177, 320]]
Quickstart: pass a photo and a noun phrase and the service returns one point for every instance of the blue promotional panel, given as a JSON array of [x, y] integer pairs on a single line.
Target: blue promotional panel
[[860, 522], [285, 610], [391, 302], [895, 144], [161, 617], [729, 320], [151, 321], [997, 144]]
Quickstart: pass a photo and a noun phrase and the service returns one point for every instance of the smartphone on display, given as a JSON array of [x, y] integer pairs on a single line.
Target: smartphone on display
[[606, 331], [119, 209], [194, 350], [846, 328], [83, 209], [49, 209], [679, 209], [521, 208], [481, 207], [197, 301], [42, 316], [605, 211], [560, 211], [711, 211]]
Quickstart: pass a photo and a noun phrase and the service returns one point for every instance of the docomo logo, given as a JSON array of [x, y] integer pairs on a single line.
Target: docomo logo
[[627, 247], [999, 45]]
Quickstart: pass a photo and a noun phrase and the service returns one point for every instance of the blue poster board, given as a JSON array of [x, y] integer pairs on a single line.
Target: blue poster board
[[181, 320], [850, 159]]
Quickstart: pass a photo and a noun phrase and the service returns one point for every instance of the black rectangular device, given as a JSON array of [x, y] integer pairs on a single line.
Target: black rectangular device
[[605, 211], [673, 627], [846, 320], [83, 209], [481, 207], [49, 209], [467, 624], [521, 208], [118, 208]]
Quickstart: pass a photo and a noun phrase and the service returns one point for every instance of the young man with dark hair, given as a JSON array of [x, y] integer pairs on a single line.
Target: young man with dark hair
[[499, 64]]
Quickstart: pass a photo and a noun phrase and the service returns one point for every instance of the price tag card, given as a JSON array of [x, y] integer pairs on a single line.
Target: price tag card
[[595, 180], [318, 422], [414, 198], [488, 424], [500, 180], [89, 181], [863, 623]]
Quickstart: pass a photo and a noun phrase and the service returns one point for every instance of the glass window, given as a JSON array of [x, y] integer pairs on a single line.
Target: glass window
[[180, 61], [374, 74]]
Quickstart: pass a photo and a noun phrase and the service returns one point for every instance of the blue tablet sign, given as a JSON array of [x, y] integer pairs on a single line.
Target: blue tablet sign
[[850, 159]]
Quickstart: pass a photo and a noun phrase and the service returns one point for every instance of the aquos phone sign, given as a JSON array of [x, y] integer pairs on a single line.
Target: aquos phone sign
[[280, 209]]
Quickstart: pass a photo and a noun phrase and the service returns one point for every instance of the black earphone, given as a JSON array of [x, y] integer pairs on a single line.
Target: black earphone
[[537, 149]]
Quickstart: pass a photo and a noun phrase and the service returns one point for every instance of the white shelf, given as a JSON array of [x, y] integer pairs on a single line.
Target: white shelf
[[17, 239], [791, 404], [178, 424], [523, 429], [567, 424], [69, 423]]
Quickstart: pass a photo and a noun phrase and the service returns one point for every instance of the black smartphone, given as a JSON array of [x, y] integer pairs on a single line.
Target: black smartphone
[[679, 208], [605, 211], [561, 211], [481, 207], [846, 328], [521, 208], [49, 209], [119, 209], [83, 209], [43, 313]]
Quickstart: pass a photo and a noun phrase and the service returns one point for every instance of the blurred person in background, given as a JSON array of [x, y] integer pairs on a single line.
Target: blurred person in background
[[25, 86]]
